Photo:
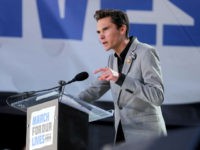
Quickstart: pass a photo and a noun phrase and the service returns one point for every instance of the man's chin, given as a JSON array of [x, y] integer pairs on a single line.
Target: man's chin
[[106, 48]]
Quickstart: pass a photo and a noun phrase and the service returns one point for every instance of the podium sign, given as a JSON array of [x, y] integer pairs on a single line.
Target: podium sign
[[54, 126]]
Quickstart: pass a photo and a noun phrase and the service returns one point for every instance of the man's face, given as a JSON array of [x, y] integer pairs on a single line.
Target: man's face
[[109, 36]]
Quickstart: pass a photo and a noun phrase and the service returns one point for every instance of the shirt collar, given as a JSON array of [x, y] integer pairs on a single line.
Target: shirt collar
[[124, 52]]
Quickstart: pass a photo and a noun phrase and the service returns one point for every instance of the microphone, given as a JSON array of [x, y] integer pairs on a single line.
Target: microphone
[[79, 77]]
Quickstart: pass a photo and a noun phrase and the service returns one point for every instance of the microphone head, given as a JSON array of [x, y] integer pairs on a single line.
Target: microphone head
[[81, 76]]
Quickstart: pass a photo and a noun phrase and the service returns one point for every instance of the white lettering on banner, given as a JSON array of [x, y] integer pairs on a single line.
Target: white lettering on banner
[[154, 17], [41, 128]]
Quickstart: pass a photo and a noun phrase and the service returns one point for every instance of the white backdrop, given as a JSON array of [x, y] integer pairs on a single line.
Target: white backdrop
[[31, 61]]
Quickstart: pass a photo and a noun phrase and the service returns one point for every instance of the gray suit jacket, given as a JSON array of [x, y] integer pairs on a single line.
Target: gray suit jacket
[[137, 101]]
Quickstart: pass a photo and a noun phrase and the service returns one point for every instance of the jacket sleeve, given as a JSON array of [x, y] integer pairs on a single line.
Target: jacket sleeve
[[95, 91]]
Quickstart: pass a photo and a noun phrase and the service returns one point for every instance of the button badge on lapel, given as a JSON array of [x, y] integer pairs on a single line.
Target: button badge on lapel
[[132, 57], [128, 60]]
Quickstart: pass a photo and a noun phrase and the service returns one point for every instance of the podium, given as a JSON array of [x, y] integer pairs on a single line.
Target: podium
[[57, 122]]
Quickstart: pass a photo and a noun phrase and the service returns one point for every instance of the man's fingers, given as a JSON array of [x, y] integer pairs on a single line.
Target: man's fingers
[[107, 74], [104, 76], [100, 70]]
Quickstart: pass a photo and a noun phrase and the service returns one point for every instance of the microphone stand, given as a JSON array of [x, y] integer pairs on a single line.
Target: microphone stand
[[79, 77], [61, 89]]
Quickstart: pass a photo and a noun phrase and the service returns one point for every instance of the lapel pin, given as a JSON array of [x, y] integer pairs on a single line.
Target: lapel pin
[[133, 55], [128, 60]]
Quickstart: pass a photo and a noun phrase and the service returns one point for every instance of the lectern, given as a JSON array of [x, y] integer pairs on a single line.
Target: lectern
[[57, 122]]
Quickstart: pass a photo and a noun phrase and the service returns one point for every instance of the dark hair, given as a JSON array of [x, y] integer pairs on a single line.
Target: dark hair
[[118, 17]]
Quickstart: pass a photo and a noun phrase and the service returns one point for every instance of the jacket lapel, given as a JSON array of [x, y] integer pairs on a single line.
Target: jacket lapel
[[130, 57]]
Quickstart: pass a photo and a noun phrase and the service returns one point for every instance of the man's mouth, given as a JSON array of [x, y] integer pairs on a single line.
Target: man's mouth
[[104, 43]]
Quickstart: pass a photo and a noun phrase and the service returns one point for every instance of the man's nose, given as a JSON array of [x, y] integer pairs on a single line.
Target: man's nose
[[101, 36]]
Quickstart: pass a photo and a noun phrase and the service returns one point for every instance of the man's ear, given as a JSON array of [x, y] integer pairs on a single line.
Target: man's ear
[[123, 29]]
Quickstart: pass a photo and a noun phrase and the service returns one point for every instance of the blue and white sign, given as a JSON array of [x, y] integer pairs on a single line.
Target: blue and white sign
[[41, 128], [44, 41]]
